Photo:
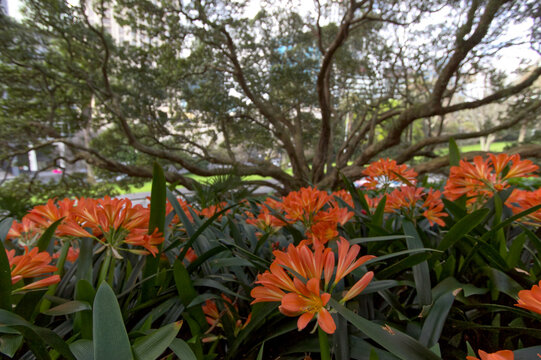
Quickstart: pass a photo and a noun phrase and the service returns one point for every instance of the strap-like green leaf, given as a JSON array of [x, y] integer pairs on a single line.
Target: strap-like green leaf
[[110, 337], [36, 335], [83, 349], [5, 271], [462, 227], [151, 346], [398, 343], [69, 307], [182, 350], [454, 153], [421, 274], [45, 239], [156, 221]]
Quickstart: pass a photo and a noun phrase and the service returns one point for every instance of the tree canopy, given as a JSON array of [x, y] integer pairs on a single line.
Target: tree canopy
[[208, 87]]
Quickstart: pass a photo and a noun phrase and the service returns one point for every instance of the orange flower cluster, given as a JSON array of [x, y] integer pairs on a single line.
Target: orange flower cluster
[[318, 211], [521, 200], [411, 201], [294, 280], [480, 179], [210, 211], [499, 355], [31, 264], [265, 221], [110, 221], [385, 172]]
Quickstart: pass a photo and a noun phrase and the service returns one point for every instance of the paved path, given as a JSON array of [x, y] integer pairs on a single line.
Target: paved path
[[141, 198]]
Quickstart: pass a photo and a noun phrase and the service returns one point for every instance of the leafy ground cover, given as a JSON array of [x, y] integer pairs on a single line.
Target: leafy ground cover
[[378, 272]]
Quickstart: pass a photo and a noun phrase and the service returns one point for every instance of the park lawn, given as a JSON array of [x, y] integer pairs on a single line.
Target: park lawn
[[147, 186], [494, 147]]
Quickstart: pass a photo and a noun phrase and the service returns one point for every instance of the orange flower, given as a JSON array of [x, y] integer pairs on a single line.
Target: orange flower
[[47, 214], [141, 237], [27, 231], [112, 222], [358, 287], [499, 355], [30, 265], [408, 200], [72, 256], [434, 208], [303, 205], [294, 280], [185, 207], [344, 195], [308, 302], [191, 256], [530, 299], [265, 221], [480, 179], [210, 211], [521, 200], [346, 259], [385, 171]]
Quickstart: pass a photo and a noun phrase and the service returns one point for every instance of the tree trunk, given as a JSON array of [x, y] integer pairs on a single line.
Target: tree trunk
[[522, 133]]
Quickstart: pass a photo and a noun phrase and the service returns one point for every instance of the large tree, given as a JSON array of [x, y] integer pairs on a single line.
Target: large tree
[[209, 88]]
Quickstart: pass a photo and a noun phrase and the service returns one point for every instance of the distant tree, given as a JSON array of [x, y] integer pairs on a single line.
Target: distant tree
[[210, 90]]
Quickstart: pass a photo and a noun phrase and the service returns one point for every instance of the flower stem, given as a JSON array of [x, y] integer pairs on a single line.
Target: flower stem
[[45, 303], [105, 267], [324, 344]]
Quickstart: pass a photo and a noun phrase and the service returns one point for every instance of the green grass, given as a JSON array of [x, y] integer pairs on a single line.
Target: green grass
[[496, 147], [147, 186]]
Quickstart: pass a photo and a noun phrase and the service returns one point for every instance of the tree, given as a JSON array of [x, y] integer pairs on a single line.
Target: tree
[[211, 90]]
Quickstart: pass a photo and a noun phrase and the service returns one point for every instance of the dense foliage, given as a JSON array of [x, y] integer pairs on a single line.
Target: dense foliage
[[387, 270], [211, 87]]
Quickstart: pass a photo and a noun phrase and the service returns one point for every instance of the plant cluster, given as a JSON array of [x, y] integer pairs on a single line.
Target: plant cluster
[[387, 270]]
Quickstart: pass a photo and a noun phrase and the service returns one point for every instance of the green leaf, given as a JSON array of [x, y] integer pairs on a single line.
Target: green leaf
[[69, 307], [110, 337], [421, 274], [398, 253], [489, 234], [527, 353], [363, 350], [204, 257], [433, 325], [151, 346], [83, 349], [5, 270], [463, 227], [182, 350], [402, 265], [187, 292], [156, 221], [36, 336], [454, 153], [45, 239], [10, 343], [259, 312], [377, 218], [377, 238], [396, 342], [217, 285], [260, 354], [84, 291], [503, 283]]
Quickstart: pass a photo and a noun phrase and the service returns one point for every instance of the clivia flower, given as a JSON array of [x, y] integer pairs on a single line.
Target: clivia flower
[[386, 172], [530, 299], [32, 264], [294, 280], [521, 200], [480, 179], [499, 355], [112, 222]]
